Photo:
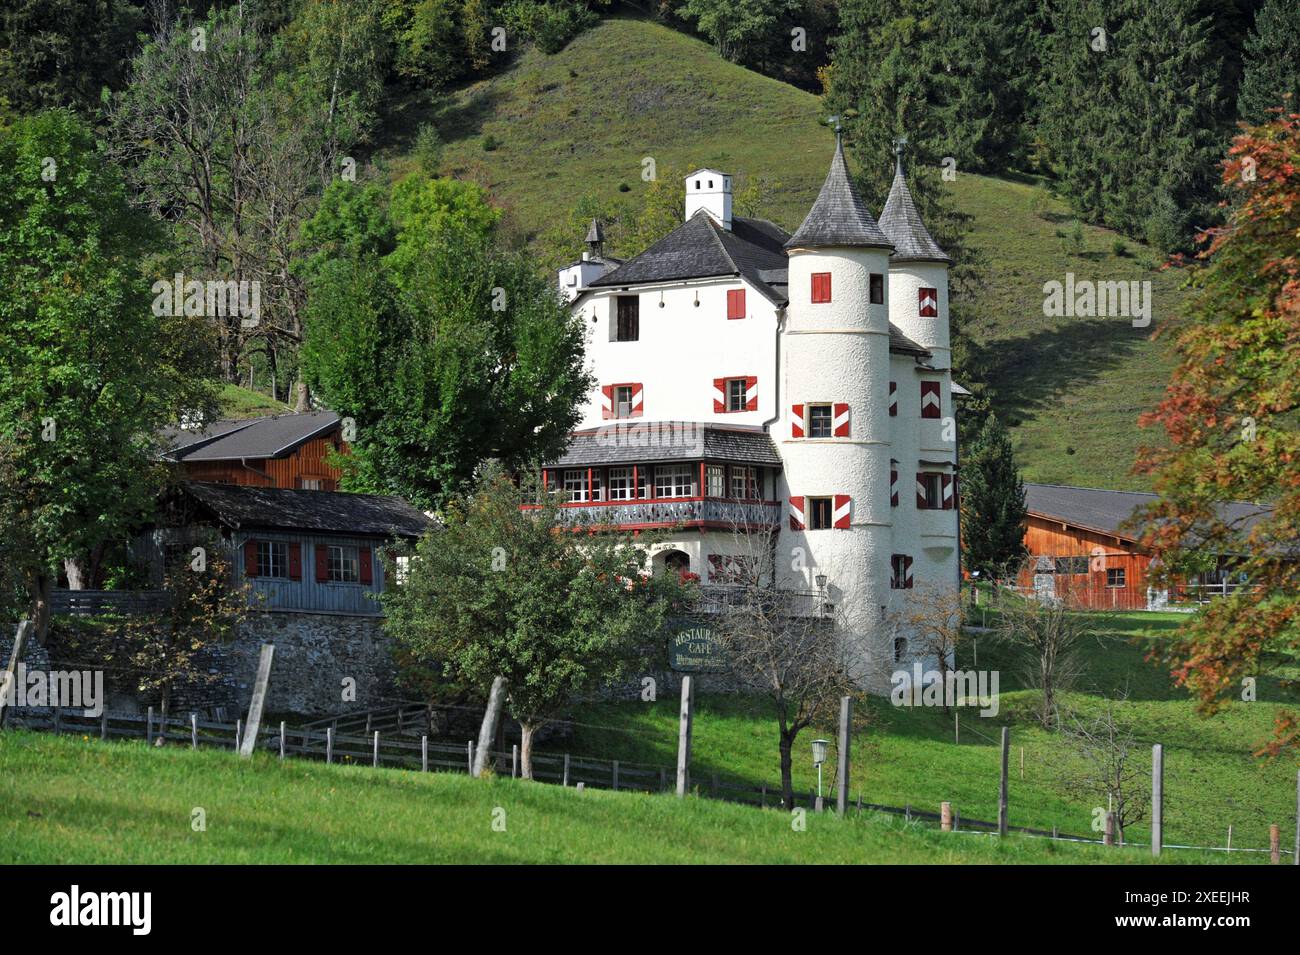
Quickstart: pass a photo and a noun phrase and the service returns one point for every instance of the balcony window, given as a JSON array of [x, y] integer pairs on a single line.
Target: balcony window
[[819, 421], [575, 484], [597, 484], [620, 484], [675, 480], [715, 477], [744, 483]]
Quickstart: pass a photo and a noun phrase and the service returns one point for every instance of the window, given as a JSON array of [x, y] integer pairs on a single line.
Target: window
[[628, 323], [620, 484], [735, 303], [575, 484], [715, 480], [1115, 577], [344, 567], [1071, 565], [877, 289], [821, 287], [900, 648], [623, 401], [736, 394], [819, 513], [311, 484], [597, 484], [272, 559], [819, 421], [674, 480], [929, 490], [900, 577], [744, 483]]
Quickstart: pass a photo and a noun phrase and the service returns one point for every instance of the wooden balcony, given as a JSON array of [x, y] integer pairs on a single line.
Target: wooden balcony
[[694, 512]]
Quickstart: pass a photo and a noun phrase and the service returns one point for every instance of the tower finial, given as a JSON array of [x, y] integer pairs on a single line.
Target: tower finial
[[835, 124], [899, 143]]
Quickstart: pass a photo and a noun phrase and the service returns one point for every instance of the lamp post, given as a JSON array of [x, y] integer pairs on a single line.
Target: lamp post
[[819, 756], [821, 580]]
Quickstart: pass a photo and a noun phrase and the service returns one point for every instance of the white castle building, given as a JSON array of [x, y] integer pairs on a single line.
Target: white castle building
[[801, 384]]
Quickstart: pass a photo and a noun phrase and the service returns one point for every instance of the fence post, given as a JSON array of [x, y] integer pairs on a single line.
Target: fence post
[[375, 759], [1108, 837], [469, 755], [194, 731], [566, 770], [58, 720], [260, 684], [239, 733], [514, 760], [846, 714], [615, 775], [945, 816], [1157, 798], [956, 726], [329, 744], [684, 737], [1274, 844], [148, 727], [1002, 788], [103, 725], [282, 739], [424, 754]]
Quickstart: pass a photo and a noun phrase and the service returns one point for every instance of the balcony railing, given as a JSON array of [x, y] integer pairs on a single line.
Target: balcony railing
[[719, 598], [668, 512]]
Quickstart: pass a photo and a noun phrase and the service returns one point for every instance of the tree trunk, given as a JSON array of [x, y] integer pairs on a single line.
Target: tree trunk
[[76, 572], [38, 611], [303, 402], [526, 731], [787, 771]]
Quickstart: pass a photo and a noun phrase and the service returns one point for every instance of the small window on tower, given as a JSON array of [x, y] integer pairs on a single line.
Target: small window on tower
[[819, 421], [623, 401], [877, 289], [819, 513], [930, 485], [628, 328], [736, 394]]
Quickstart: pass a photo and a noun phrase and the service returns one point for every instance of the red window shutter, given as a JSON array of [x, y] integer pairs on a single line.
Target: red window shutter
[[607, 401], [295, 561], [751, 392], [638, 400], [796, 513], [735, 303], [928, 302], [841, 420], [365, 568], [796, 421], [250, 558], [719, 395], [947, 492], [821, 287], [930, 401], [921, 501], [893, 399], [907, 573], [893, 487], [843, 507], [322, 562]]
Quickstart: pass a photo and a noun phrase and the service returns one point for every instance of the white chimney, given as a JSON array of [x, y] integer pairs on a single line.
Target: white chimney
[[709, 190]]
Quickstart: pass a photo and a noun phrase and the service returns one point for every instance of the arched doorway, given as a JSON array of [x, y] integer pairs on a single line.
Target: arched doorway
[[673, 561]]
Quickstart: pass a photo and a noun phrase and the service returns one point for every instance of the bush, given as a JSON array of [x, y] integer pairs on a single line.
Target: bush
[[1119, 247], [550, 25], [428, 148], [490, 143]]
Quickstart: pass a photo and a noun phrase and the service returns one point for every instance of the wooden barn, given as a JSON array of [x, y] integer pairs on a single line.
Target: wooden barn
[[290, 451], [1082, 552]]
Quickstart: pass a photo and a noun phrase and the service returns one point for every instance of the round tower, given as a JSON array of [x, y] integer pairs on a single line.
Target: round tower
[[834, 429]]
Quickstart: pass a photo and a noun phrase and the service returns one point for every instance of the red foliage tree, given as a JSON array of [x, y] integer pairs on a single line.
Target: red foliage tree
[[1230, 413]]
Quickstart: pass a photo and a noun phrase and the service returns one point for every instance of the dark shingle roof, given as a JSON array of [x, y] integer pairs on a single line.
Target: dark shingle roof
[[902, 223], [701, 248], [1103, 510], [900, 344], [635, 442], [371, 515], [839, 217], [254, 438]]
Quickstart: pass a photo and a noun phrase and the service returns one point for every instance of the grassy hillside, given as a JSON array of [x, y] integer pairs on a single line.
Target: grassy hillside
[[238, 403], [579, 123], [908, 756], [67, 800]]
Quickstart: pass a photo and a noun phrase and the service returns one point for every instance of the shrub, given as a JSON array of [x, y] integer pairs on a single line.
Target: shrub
[[490, 143]]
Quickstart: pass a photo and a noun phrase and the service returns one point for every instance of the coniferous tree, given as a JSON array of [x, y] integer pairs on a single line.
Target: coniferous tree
[[1271, 62], [992, 502]]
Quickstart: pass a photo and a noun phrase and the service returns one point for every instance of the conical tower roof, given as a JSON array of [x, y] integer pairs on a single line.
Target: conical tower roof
[[902, 223], [839, 217]]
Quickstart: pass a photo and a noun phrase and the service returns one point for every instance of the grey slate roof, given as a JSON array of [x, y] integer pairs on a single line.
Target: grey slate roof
[[900, 344], [902, 223], [839, 217], [1103, 510], [635, 442], [368, 515], [701, 248], [267, 437]]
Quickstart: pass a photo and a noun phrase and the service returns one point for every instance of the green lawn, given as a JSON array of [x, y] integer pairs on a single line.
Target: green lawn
[[238, 403], [69, 800], [907, 756], [579, 124]]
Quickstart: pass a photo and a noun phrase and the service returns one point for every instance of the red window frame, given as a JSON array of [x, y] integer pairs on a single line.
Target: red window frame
[[821, 287]]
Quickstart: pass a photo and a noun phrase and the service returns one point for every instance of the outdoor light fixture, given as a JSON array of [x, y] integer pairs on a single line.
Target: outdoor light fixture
[[819, 756], [821, 581]]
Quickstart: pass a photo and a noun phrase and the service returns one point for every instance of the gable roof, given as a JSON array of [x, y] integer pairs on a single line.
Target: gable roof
[[701, 248], [838, 217], [268, 437], [242, 507], [902, 223], [1103, 510]]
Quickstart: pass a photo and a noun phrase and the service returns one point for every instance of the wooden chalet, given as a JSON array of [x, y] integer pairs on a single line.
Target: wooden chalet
[[290, 451]]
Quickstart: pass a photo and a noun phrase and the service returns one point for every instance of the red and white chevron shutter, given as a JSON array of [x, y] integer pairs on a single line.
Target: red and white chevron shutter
[[719, 395], [638, 405], [921, 502], [751, 392], [607, 401], [796, 421], [893, 487], [840, 426], [928, 300], [893, 399], [907, 573], [930, 406], [947, 492], [843, 506], [796, 513]]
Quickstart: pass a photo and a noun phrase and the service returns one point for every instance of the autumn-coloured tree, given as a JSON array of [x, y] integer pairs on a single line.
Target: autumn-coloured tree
[[1230, 414]]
